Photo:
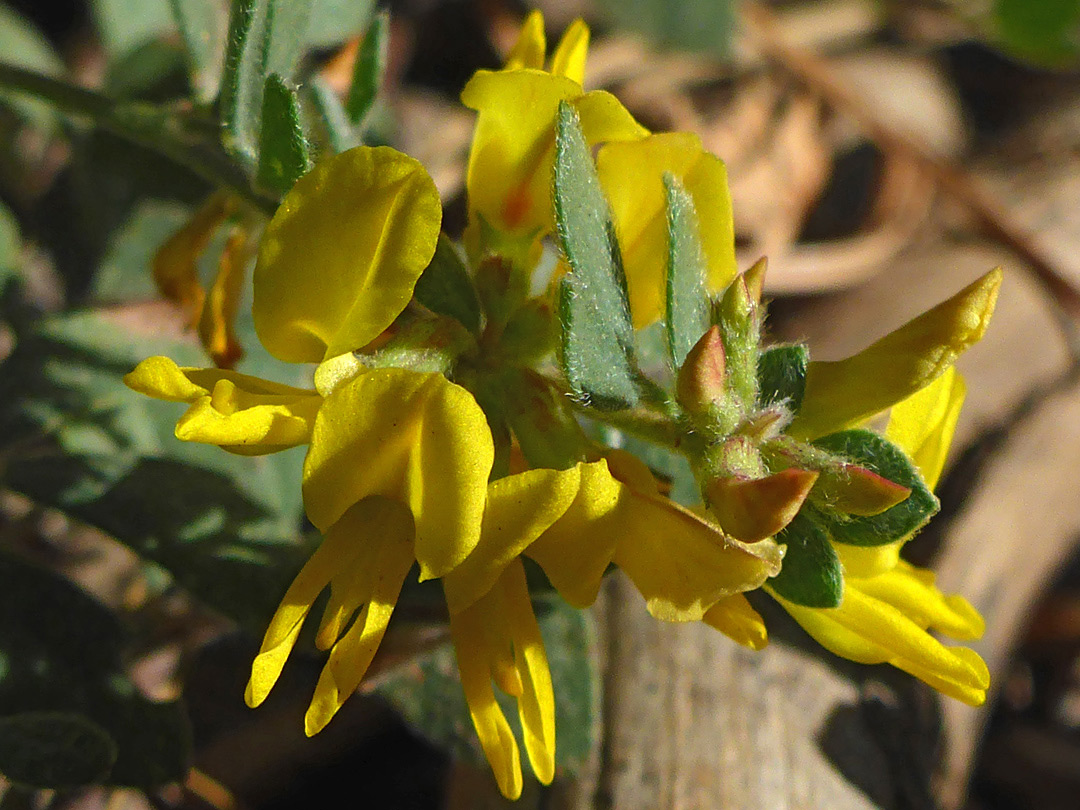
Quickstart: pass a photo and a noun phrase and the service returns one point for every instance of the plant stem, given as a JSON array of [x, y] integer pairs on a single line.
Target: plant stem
[[161, 130]]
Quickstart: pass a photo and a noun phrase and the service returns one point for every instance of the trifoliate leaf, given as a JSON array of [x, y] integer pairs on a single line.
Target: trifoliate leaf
[[782, 376], [445, 286], [868, 449], [598, 335], [283, 149], [811, 573], [687, 309]]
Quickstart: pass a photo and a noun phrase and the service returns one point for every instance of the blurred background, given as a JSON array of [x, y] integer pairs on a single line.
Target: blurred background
[[881, 154]]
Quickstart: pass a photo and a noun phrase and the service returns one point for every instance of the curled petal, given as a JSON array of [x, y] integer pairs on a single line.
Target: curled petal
[[844, 393], [631, 173], [241, 413], [413, 437], [913, 592], [383, 531], [217, 324], [869, 630], [339, 259], [519, 509], [509, 174], [734, 617], [923, 424]]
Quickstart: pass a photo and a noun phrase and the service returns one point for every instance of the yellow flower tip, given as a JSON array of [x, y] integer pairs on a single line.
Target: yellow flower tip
[[321, 711], [160, 378], [367, 220], [571, 52], [970, 624], [531, 45], [736, 619]]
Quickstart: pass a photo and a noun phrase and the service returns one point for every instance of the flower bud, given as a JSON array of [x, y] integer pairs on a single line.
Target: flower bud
[[702, 379], [859, 491], [751, 509]]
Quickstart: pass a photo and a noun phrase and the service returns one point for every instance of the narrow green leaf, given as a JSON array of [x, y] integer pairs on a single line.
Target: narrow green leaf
[[368, 70], [782, 376], [446, 288], [866, 448], [335, 21], [598, 335], [265, 36], [54, 750], [62, 655], [811, 574], [226, 527], [203, 27], [687, 313], [337, 131], [283, 149]]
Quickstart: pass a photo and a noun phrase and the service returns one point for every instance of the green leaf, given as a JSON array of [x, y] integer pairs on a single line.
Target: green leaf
[[811, 574], [54, 749], [22, 45], [597, 333], [226, 527], [368, 69], [446, 288], [429, 694], [687, 314], [335, 21], [1045, 32], [124, 273], [62, 655], [699, 25], [868, 449], [125, 25], [782, 376], [330, 117], [203, 27], [265, 36], [283, 149]]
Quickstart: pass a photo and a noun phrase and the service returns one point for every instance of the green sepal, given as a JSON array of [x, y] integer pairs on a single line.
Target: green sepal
[[870, 450], [737, 314], [546, 430], [368, 69], [283, 149], [429, 345], [811, 574], [597, 334], [781, 376], [446, 288], [687, 303]]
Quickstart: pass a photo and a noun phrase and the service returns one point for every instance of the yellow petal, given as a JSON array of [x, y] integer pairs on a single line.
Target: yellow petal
[[509, 174], [519, 509], [569, 57], [416, 438], [734, 617], [531, 45], [383, 532], [492, 728], [536, 703], [868, 630], [632, 174], [682, 564], [912, 591], [340, 548], [923, 424], [217, 325], [241, 413], [339, 259], [844, 393], [869, 561], [576, 550]]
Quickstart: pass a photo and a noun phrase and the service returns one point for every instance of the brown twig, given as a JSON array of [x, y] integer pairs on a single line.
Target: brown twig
[[995, 217]]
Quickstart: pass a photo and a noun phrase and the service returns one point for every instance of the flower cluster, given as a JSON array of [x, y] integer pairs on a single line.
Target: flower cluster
[[441, 442]]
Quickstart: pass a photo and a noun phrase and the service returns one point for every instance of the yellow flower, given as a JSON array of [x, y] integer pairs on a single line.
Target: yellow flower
[[510, 163], [889, 605], [631, 173], [336, 265]]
